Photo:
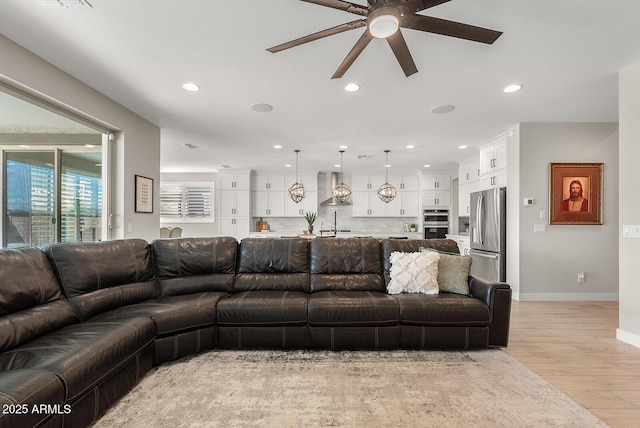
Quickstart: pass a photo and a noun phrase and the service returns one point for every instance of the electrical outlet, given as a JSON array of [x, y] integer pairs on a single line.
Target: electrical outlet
[[129, 227], [582, 277]]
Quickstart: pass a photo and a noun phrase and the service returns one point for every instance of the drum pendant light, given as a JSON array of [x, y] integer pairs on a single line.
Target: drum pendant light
[[296, 191], [387, 192], [341, 192]]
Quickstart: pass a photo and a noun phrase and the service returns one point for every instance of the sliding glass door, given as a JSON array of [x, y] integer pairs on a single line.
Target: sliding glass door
[[52, 195], [29, 215]]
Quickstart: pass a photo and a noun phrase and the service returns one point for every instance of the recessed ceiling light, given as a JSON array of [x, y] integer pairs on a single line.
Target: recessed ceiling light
[[288, 165], [343, 147], [427, 166], [411, 146], [261, 107], [89, 146], [512, 88], [462, 147], [191, 87], [447, 108], [24, 146], [337, 165], [388, 165], [352, 87], [277, 146]]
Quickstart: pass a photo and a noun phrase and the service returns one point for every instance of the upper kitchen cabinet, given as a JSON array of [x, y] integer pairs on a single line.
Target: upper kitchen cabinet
[[271, 195], [366, 183], [436, 181], [469, 170], [493, 163], [268, 183], [436, 189], [235, 181]]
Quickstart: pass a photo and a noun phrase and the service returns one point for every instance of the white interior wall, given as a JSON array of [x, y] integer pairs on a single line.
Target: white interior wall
[[629, 248], [550, 262], [137, 148]]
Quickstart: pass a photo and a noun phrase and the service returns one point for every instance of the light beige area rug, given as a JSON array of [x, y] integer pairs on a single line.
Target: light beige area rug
[[346, 389]]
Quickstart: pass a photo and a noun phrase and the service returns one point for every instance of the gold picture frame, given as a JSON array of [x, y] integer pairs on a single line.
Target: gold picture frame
[[575, 195]]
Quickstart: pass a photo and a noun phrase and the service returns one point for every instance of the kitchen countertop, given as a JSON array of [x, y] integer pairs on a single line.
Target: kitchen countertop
[[377, 235]]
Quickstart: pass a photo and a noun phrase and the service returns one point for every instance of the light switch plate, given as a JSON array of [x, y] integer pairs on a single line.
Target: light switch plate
[[539, 228], [631, 231]]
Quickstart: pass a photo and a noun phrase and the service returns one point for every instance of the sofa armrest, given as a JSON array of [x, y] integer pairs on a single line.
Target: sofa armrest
[[497, 295]]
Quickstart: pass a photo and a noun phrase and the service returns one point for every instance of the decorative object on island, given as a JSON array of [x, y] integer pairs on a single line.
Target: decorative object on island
[[296, 191], [341, 192], [413, 227], [143, 194], [311, 218], [575, 194], [387, 192], [262, 225]]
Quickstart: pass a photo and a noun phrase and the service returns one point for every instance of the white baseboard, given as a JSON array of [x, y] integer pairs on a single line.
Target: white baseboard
[[567, 297], [630, 338]]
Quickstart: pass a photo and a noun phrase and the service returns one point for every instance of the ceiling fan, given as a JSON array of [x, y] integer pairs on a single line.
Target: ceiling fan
[[383, 19]]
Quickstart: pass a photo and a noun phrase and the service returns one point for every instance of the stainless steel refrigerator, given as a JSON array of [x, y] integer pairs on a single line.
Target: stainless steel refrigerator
[[487, 233]]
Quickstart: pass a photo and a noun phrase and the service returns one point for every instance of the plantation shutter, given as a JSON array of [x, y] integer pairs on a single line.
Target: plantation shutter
[[187, 201]]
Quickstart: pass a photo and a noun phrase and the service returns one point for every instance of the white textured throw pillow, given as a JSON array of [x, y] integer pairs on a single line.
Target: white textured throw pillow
[[414, 273]]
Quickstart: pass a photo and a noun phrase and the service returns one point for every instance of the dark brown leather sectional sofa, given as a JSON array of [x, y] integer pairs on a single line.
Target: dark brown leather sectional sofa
[[80, 324]]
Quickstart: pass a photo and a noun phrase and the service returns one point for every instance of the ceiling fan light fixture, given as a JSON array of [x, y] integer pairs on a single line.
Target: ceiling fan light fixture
[[384, 22]]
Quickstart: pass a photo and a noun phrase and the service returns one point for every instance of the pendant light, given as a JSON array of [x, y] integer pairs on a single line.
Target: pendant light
[[341, 192], [387, 192], [296, 191]]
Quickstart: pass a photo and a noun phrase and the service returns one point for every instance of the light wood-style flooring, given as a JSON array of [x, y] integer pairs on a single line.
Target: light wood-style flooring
[[573, 346]]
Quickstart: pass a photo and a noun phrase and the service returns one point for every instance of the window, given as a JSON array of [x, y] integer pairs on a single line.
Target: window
[[186, 202]]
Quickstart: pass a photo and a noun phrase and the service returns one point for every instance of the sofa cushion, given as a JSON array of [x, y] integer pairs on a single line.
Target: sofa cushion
[[31, 303], [273, 264], [26, 280], [82, 355], [346, 264], [100, 276], [28, 388], [453, 272], [411, 246], [352, 308], [442, 309], [263, 308], [173, 314], [195, 265], [414, 273]]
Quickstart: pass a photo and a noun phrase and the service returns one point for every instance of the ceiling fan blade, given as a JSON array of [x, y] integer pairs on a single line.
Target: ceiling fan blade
[[401, 51], [319, 35], [450, 28], [409, 7], [342, 5], [353, 54]]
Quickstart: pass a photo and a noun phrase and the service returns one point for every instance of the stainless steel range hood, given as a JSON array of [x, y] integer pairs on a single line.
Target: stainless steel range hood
[[333, 202]]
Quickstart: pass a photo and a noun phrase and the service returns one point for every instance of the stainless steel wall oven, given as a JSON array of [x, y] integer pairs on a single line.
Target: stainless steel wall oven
[[436, 223]]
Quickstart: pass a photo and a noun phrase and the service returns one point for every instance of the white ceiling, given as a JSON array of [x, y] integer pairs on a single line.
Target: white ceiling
[[139, 52]]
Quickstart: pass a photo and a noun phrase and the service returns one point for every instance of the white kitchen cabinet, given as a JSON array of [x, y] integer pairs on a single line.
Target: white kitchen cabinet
[[367, 204], [436, 198], [436, 181], [366, 183], [493, 155], [464, 197], [268, 203], [238, 227], [463, 242], [235, 205], [310, 182], [268, 183], [406, 204], [309, 203], [497, 179], [469, 170]]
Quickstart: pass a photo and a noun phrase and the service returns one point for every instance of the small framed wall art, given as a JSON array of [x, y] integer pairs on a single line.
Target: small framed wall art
[[144, 194], [575, 194]]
